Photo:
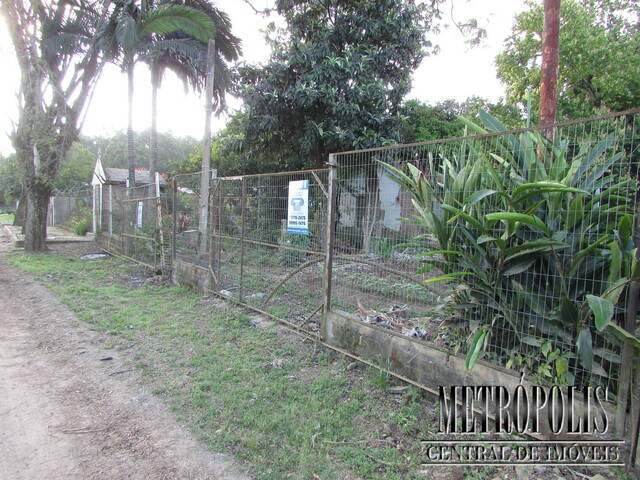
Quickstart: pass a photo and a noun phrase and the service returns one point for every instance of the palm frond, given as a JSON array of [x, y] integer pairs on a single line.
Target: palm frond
[[169, 19]]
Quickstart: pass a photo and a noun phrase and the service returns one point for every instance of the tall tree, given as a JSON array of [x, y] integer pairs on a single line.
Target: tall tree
[[336, 78], [133, 32], [550, 59], [56, 46], [599, 57], [185, 56]]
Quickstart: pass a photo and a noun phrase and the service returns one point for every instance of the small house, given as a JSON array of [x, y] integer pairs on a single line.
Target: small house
[[110, 190]]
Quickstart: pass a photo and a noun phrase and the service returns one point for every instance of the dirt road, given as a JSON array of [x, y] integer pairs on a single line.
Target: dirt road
[[63, 415]]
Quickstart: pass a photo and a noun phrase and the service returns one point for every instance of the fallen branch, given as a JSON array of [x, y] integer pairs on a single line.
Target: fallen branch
[[358, 442], [121, 371]]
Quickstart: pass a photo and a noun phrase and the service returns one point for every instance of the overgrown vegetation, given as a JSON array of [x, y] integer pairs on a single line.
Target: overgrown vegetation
[[529, 229], [265, 397]]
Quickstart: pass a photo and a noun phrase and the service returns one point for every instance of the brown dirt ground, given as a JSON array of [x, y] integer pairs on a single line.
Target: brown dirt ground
[[63, 415]]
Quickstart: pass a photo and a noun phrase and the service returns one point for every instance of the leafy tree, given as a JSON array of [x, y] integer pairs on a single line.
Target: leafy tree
[[185, 56], [113, 149], [76, 169], [423, 122], [10, 180], [335, 80], [56, 46], [133, 32], [599, 57]]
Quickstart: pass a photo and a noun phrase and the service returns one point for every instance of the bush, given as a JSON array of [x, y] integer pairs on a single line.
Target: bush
[[81, 227], [528, 229]]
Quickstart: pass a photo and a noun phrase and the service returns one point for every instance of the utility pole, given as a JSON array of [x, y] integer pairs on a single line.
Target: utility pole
[[205, 177], [550, 61]]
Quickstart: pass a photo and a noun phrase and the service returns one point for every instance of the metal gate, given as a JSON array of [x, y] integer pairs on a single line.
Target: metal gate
[[257, 258]]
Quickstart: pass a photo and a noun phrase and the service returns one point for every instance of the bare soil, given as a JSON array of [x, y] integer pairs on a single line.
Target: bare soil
[[69, 409]]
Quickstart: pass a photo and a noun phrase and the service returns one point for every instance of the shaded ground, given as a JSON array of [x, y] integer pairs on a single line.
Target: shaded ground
[[65, 410]]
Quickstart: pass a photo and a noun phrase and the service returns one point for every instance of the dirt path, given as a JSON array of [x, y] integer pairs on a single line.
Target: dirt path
[[64, 416]]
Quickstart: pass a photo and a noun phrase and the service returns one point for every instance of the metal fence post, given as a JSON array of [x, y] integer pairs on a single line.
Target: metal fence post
[[174, 219], [329, 243], [243, 229]]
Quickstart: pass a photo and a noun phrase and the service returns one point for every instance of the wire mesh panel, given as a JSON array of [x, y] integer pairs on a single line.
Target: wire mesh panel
[[130, 225], [69, 209], [505, 235], [267, 242], [191, 244]]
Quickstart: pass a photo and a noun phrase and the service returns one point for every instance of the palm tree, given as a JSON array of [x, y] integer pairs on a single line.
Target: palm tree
[[133, 31], [185, 56]]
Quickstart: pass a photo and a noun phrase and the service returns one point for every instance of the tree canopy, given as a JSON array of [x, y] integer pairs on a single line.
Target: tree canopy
[[336, 78], [599, 57]]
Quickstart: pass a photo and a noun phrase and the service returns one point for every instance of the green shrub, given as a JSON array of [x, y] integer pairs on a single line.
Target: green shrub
[[81, 227], [292, 258], [528, 228]]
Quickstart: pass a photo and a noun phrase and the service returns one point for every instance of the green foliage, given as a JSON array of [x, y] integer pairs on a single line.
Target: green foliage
[[546, 362], [82, 227], [422, 122], [76, 168], [80, 219], [599, 62], [328, 85], [292, 258], [173, 151], [527, 228], [10, 180]]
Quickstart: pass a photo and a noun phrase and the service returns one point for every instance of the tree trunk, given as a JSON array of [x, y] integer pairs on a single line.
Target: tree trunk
[[153, 156], [35, 224], [550, 60], [206, 149], [130, 150]]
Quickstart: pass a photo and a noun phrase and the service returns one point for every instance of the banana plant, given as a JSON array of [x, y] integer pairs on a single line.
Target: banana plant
[[526, 229]]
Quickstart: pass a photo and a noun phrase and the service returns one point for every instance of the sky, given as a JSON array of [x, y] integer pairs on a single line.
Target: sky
[[457, 72]]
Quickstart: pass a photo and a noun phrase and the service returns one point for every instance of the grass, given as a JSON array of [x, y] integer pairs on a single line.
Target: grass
[[263, 396], [6, 218]]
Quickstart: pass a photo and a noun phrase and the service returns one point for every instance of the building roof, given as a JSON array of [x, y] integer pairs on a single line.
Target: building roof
[[116, 176]]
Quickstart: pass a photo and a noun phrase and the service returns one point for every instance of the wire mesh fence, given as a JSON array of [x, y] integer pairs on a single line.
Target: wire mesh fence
[[134, 226], [71, 210], [190, 240], [251, 248], [499, 235], [509, 234]]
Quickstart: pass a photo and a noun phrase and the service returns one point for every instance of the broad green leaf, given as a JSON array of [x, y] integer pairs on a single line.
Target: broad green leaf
[[562, 366], [585, 348], [479, 195], [615, 289], [532, 341], [568, 311], [615, 263], [623, 335], [530, 220], [440, 252], [476, 348], [534, 246], [518, 266], [524, 191], [459, 213], [608, 355], [448, 276], [602, 309], [592, 156]]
